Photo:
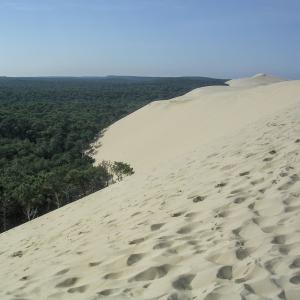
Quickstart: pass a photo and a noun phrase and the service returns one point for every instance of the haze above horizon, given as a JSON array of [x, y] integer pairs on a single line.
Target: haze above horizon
[[149, 38]]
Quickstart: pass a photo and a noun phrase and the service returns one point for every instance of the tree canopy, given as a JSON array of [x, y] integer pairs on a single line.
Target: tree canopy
[[46, 127]]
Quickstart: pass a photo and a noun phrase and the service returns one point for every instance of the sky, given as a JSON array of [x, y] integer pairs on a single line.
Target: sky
[[214, 38]]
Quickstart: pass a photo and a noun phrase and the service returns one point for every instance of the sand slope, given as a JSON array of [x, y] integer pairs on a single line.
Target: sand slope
[[163, 130], [221, 221]]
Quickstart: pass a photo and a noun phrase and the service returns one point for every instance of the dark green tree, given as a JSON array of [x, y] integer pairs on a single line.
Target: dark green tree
[[121, 169]]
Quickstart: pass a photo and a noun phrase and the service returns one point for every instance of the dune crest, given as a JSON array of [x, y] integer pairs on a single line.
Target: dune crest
[[256, 80], [220, 221]]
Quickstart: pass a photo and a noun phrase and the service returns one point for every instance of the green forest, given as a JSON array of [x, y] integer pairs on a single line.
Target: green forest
[[46, 127]]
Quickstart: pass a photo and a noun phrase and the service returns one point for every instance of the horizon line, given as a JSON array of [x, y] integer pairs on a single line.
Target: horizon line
[[107, 76]]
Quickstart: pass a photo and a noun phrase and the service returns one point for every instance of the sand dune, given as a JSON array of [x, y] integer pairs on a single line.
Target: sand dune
[[256, 80], [221, 221], [163, 130]]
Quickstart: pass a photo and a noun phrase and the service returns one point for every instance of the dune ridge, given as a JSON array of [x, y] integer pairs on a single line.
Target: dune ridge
[[221, 221], [163, 130]]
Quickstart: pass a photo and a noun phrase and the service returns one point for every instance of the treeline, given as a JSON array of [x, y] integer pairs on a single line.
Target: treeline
[[46, 126]]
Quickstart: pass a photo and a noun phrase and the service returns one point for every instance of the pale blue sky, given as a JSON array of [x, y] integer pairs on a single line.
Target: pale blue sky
[[216, 38]]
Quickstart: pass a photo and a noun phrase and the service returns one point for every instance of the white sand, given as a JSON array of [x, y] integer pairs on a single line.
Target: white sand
[[163, 130], [221, 221]]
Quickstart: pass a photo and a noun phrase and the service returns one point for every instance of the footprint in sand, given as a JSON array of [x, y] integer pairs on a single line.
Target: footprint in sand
[[185, 229], [241, 253], [251, 206], [177, 214], [94, 264], [136, 213], [134, 258], [244, 173], [67, 282], [291, 208], [152, 273], [162, 245], [156, 226], [293, 179], [284, 249], [136, 241], [225, 272], [257, 181], [271, 263], [220, 185], [107, 292], [174, 296], [79, 289], [239, 200], [237, 191], [112, 276], [295, 279], [183, 282], [63, 271], [268, 159], [191, 215], [17, 254], [237, 231], [295, 264], [221, 213], [24, 278], [199, 199], [279, 239]]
